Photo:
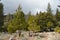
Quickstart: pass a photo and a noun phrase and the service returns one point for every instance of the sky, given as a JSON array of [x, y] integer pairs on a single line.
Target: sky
[[10, 6]]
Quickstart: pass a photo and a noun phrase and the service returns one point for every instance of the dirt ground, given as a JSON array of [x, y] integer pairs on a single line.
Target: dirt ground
[[37, 36]]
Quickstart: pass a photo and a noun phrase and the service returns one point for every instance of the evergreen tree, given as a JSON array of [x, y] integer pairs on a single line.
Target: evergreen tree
[[57, 15], [49, 8], [32, 24], [49, 14], [50, 18], [1, 16], [18, 22], [40, 20]]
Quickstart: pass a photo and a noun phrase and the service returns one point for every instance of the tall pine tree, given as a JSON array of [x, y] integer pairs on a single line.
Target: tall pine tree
[[1, 16], [49, 18]]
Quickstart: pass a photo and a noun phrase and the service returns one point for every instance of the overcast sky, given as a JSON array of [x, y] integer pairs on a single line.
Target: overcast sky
[[29, 5]]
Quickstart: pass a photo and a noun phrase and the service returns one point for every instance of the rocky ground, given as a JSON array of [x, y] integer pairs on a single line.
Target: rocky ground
[[34, 36]]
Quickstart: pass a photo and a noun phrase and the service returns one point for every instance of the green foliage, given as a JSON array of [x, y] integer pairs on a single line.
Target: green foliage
[[32, 24], [49, 8], [10, 28], [34, 28], [40, 20], [49, 24], [18, 22], [58, 15], [57, 29], [43, 21], [1, 16], [7, 19]]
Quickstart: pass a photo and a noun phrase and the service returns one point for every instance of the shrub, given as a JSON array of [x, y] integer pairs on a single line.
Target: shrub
[[57, 29]]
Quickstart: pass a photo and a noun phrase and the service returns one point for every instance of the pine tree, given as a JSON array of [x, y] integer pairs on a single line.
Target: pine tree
[[32, 25], [1, 16], [57, 15], [50, 18], [49, 8], [18, 22]]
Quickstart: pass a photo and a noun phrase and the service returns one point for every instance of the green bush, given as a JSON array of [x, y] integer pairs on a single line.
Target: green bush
[[57, 29]]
